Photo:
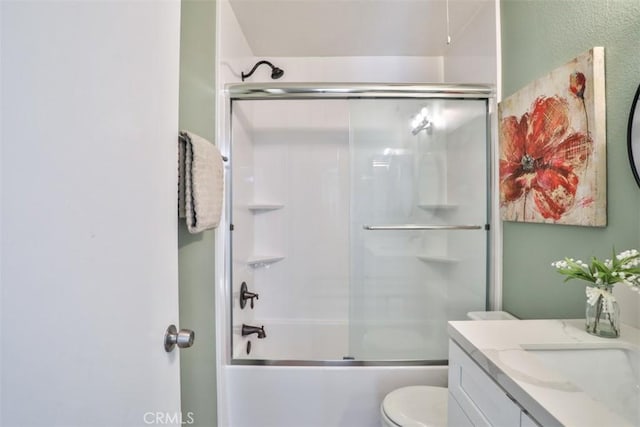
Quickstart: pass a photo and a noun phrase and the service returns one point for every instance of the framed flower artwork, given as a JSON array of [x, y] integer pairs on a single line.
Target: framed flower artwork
[[553, 147]]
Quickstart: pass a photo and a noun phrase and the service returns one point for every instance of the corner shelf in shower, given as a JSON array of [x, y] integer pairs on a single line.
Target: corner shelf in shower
[[437, 259], [263, 207], [258, 261]]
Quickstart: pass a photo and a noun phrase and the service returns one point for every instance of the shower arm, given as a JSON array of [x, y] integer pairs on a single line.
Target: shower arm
[[276, 72]]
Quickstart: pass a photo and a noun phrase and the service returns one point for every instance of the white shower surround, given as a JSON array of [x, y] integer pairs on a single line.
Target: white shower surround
[[322, 395], [300, 340], [309, 282]]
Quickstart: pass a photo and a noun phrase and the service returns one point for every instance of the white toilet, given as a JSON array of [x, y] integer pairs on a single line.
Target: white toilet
[[425, 406], [415, 406]]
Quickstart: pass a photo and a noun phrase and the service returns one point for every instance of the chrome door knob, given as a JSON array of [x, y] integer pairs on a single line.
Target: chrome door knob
[[183, 339]]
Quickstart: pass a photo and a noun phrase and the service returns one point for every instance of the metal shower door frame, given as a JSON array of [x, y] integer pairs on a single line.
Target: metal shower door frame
[[346, 91]]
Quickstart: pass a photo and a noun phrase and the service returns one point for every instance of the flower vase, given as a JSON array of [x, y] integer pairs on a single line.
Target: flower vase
[[602, 313]]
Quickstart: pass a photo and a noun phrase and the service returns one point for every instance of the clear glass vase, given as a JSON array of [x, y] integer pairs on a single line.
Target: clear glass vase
[[603, 316]]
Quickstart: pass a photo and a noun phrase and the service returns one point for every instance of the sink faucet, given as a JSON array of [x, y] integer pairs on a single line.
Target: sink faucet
[[248, 330]]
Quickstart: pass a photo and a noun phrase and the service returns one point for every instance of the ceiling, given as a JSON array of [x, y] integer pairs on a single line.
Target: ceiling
[[354, 27]]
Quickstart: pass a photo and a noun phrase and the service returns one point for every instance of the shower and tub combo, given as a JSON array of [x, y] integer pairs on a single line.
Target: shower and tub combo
[[358, 221]]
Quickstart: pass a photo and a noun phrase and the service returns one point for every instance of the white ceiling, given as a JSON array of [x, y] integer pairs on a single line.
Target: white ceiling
[[353, 27]]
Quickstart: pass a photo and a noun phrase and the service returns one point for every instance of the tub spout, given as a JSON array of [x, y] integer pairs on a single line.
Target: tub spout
[[248, 330]]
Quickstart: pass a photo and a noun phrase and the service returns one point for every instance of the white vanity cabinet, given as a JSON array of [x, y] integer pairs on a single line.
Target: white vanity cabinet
[[476, 400]]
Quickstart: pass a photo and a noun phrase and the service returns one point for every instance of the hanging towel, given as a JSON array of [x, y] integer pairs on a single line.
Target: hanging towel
[[200, 182]]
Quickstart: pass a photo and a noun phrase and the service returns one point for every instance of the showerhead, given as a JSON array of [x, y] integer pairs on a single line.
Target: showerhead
[[276, 72]]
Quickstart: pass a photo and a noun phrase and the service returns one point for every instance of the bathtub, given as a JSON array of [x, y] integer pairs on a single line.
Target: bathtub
[[298, 392], [317, 396]]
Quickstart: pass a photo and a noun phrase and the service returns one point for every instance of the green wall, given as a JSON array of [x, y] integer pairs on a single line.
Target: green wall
[[538, 36], [196, 252]]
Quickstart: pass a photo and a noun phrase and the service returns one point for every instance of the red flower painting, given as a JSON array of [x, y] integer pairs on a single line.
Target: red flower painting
[[541, 156], [577, 83], [553, 159]]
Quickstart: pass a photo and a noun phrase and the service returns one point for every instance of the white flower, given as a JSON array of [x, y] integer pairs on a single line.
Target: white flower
[[560, 264], [604, 274]]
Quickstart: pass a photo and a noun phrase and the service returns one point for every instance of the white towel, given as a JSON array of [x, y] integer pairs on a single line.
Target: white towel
[[200, 182]]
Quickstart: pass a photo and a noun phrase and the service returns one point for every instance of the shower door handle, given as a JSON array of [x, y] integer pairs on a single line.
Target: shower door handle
[[423, 227]]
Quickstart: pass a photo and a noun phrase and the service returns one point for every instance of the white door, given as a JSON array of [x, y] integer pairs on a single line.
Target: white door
[[89, 247]]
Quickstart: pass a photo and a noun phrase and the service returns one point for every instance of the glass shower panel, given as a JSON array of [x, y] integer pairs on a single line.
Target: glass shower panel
[[290, 239], [418, 240]]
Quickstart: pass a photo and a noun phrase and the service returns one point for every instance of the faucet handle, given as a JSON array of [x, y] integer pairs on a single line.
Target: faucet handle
[[262, 333], [246, 295], [252, 297]]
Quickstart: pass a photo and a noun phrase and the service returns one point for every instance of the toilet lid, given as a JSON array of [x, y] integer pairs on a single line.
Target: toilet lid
[[417, 406]]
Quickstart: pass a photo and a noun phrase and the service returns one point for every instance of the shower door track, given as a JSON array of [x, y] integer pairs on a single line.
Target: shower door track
[[347, 362], [257, 91]]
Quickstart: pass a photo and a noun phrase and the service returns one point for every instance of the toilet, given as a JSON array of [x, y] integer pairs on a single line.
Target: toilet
[[421, 405], [415, 406], [490, 315]]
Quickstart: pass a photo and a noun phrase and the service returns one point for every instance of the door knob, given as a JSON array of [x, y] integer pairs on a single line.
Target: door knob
[[183, 339]]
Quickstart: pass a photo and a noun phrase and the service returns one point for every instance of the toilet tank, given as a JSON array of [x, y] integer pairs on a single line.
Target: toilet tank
[[490, 315]]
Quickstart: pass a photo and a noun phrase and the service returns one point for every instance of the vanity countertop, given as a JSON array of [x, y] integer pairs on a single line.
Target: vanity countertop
[[500, 348]]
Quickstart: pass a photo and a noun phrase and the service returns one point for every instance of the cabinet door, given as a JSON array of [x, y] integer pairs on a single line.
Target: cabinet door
[[481, 399], [455, 415]]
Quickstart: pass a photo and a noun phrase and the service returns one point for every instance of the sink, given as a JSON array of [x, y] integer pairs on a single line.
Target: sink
[[610, 375]]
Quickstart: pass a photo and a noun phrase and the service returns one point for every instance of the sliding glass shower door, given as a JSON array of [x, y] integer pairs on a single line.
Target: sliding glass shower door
[[418, 234], [358, 226]]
